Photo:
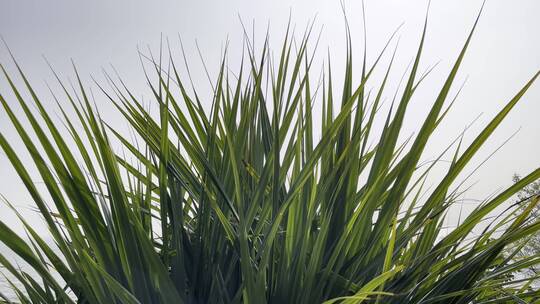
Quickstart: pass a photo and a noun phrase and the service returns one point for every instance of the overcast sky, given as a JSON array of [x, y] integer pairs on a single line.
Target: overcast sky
[[504, 54]]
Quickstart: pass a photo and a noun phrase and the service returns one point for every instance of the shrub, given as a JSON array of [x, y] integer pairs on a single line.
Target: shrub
[[241, 203]]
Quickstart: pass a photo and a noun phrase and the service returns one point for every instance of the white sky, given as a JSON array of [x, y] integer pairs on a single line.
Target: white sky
[[504, 54]]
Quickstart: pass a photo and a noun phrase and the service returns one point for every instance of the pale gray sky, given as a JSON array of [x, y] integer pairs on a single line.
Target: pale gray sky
[[504, 54]]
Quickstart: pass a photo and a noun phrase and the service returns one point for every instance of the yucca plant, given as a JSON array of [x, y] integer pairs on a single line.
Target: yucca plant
[[256, 200]]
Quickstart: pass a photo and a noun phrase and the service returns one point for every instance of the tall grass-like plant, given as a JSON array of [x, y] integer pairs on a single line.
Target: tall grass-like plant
[[243, 203]]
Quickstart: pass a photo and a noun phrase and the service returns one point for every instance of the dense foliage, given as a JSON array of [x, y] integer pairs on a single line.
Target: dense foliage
[[246, 203], [529, 246]]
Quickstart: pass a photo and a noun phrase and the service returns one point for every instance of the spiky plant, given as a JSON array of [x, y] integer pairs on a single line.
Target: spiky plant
[[244, 203]]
